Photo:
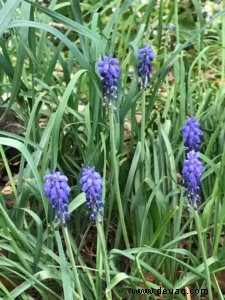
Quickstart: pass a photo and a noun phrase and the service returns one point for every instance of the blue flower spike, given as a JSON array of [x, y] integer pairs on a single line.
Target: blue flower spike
[[109, 70], [192, 173], [92, 183], [192, 134], [57, 190], [144, 66]]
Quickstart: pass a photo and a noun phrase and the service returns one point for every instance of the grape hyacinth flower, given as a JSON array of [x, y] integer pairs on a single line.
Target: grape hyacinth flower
[[144, 67], [191, 134], [192, 172], [57, 190], [109, 70], [92, 183]]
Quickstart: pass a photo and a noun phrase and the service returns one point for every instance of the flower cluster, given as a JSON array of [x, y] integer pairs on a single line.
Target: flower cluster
[[109, 70], [56, 186], [192, 172], [144, 67], [57, 190], [191, 134], [193, 167], [92, 183]]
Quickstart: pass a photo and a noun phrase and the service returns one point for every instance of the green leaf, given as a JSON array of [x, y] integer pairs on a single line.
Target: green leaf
[[65, 272], [6, 13], [59, 114], [75, 203], [76, 53], [24, 151], [116, 280], [39, 239]]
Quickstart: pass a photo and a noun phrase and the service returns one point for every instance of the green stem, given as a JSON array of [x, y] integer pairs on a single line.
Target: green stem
[[203, 251], [143, 133], [99, 266], [223, 47], [72, 260], [219, 208], [102, 252], [116, 176], [177, 23]]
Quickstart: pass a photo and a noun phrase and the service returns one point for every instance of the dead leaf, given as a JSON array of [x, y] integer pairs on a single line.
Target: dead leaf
[[148, 277], [7, 190]]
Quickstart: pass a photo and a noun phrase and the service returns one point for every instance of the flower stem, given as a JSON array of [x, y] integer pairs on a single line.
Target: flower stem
[[203, 251], [72, 260], [116, 176], [102, 258], [143, 102]]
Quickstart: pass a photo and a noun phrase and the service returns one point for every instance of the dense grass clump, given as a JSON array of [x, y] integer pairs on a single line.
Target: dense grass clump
[[112, 149]]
